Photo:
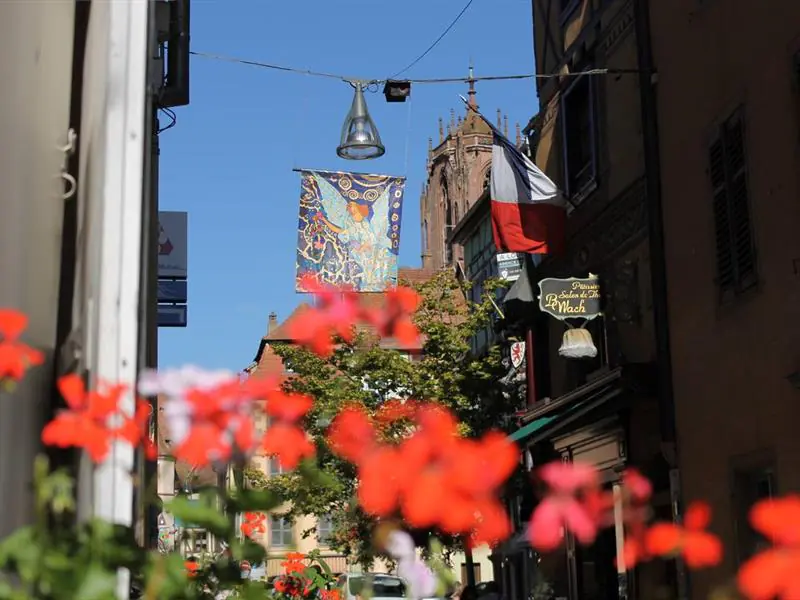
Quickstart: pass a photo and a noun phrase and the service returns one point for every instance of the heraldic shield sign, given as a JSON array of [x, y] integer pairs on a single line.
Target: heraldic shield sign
[[573, 298], [517, 354]]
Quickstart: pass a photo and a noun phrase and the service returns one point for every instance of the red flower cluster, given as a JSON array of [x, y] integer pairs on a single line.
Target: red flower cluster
[[434, 477], [216, 419], [15, 357], [88, 421], [339, 310], [775, 572], [253, 522], [296, 584], [577, 503]]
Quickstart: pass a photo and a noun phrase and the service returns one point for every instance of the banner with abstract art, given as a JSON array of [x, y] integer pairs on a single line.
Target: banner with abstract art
[[349, 230]]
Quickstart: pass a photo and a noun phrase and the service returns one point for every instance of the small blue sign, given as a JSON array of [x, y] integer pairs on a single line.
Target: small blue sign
[[172, 291], [172, 315]]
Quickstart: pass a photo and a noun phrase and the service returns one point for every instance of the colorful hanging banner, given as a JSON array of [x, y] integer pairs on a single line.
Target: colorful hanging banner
[[349, 229]]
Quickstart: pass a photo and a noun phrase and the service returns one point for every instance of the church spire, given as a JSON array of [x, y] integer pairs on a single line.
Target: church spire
[[472, 103]]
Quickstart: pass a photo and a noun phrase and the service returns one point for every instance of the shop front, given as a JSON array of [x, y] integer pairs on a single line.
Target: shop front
[[598, 423]]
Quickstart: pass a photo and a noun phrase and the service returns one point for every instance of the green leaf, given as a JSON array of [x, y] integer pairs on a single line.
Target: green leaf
[[19, 553], [201, 513], [98, 584], [249, 551], [254, 501]]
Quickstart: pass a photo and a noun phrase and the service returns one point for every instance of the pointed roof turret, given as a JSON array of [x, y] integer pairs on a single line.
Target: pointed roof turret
[[472, 102]]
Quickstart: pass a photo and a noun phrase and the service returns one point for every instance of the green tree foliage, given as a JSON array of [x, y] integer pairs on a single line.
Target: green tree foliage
[[447, 373]]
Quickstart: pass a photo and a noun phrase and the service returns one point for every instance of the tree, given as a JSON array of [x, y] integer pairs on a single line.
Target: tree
[[364, 373]]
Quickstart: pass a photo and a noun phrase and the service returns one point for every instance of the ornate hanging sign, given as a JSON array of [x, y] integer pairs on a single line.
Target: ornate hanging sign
[[573, 298]]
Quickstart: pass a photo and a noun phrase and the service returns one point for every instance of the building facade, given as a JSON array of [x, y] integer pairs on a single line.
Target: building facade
[[730, 158], [609, 411]]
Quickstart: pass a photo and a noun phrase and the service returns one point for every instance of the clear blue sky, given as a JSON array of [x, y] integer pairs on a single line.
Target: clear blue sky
[[229, 159]]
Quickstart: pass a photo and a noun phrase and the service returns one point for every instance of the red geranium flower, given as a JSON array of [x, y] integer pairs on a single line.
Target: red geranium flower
[[85, 423], [774, 573], [698, 547], [288, 443], [444, 480], [572, 504], [253, 522], [15, 357]]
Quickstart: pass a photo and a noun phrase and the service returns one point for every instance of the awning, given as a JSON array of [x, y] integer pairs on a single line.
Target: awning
[[538, 424], [545, 426], [522, 291]]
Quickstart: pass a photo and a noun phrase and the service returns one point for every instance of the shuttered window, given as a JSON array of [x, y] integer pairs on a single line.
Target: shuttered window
[[735, 248]]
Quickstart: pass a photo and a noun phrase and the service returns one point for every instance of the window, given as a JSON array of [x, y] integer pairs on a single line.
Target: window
[[280, 532], [383, 586], [735, 248], [448, 220], [578, 128], [749, 486], [324, 530], [275, 467], [487, 178], [425, 236]]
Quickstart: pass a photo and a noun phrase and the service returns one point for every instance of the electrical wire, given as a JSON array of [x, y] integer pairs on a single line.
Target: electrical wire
[[372, 84], [436, 41]]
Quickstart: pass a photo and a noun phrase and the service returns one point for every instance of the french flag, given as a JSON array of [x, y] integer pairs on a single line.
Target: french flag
[[528, 210]]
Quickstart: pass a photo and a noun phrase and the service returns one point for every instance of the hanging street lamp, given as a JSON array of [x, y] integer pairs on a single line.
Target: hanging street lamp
[[360, 138]]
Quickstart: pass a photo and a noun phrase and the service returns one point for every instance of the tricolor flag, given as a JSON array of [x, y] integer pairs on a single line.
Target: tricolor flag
[[528, 210]]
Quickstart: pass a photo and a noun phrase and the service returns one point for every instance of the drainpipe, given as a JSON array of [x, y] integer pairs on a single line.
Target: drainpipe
[[658, 262]]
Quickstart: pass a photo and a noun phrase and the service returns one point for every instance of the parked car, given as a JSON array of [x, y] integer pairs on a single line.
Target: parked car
[[383, 587]]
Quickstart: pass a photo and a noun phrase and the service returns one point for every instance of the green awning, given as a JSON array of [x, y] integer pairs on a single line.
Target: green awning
[[536, 425], [531, 428]]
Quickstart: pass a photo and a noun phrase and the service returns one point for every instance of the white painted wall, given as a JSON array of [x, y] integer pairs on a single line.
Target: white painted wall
[[36, 71]]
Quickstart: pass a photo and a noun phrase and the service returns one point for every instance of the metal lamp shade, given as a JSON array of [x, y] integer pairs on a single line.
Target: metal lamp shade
[[360, 138]]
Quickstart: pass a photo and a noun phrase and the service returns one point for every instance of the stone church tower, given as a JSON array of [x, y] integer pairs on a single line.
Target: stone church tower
[[457, 173]]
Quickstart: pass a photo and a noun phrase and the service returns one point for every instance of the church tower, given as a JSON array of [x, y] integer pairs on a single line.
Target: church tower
[[457, 173]]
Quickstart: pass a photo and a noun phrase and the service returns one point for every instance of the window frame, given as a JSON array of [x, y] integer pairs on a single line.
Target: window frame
[[578, 196], [742, 281], [325, 540], [278, 524], [274, 467], [748, 467]]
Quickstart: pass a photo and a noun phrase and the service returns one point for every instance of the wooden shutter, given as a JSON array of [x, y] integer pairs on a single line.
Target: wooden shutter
[[738, 199], [735, 250], [726, 277]]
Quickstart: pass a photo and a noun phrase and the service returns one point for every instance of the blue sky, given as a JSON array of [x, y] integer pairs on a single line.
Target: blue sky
[[229, 159]]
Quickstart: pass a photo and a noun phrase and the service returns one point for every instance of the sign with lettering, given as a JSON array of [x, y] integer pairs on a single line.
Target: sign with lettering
[[571, 298], [509, 266]]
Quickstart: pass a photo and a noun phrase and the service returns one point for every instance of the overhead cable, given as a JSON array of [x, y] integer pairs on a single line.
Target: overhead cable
[[349, 79], [436, 41]]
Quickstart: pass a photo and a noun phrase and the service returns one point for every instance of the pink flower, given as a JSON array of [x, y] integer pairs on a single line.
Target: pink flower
[[565, 508]]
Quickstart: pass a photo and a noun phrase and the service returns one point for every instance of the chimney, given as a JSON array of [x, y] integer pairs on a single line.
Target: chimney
[[441, 130], [499, 119], [505, 126], [273, 322], [519, 135]]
